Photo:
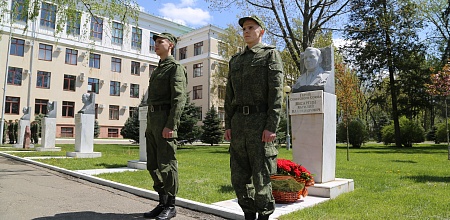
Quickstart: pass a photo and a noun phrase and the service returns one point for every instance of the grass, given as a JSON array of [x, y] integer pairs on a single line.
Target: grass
[[390, 183]]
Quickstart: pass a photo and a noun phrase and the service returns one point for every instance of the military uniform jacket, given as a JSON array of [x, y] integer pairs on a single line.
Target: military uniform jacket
[[255, 78], [167, 86]]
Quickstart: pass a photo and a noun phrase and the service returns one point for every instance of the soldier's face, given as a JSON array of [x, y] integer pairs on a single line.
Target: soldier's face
[[252, 32], [312, 60], [162, 46]]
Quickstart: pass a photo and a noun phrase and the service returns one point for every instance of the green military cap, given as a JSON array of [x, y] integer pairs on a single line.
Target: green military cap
[[167, 36], [253, 17]]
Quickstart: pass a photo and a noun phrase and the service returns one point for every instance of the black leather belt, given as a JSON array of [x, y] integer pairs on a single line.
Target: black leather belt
[[251, 109], [157, 108]]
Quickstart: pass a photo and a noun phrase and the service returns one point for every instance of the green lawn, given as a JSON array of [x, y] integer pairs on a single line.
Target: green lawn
[[390, 183]]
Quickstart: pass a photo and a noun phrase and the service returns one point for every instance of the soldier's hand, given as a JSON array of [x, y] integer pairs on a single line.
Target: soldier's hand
[[268, 136], [167, 133], [227, 135]]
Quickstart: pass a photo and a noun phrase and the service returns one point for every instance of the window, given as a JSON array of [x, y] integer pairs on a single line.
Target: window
[[113, 112], [198, 48], [40, 106], [183, 52], [15, 76], [198, 70], [69, 82], [116, 64], [136, 37], [94, 60], [114, 88], [221, 113], [17, 46], [113, 132], [66, 131], [199, 113], [96, 111], [151, 68], [96, 28], [19, 10], [43, 80], [134, 90], [12, 105], [133, 111], [45, 52], [152, 43], [73, 22], [222, 92], [117, 33], [48, 15], [71, 56], [68, 109], [197, 92], [222, 48], [93, 85], [135, 68]]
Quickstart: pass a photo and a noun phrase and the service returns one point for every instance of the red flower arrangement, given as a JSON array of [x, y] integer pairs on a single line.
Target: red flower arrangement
[[288, 167]]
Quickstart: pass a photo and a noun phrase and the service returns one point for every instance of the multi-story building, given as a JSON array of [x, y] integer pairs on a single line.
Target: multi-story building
[[107, 58]]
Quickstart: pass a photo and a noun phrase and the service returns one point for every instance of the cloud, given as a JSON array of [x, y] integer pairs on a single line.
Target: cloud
[[185, 13]]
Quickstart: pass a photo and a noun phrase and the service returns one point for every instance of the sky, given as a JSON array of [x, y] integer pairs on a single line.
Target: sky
[[192, 13]]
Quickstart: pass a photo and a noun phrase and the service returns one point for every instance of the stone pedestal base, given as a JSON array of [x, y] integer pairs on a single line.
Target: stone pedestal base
[[84, 155], [332, 189], [48, 149], [136, 164], [48, 134], [21, 145]]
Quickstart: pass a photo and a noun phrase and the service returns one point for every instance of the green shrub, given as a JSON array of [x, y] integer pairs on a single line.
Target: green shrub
[[410, 131], [431, 135], [357, 133], [440, 133]]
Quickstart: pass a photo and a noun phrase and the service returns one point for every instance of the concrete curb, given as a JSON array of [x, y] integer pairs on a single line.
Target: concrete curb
[[197, 206]]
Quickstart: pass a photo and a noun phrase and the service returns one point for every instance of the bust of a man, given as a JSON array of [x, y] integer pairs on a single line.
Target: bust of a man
[[315, 77], [26, 113], [51, 109], [89, 103]]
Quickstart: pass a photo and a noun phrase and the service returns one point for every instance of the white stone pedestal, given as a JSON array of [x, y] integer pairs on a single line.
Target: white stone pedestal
[[142, 162], [21, 133], [313, 116], [84, 137], [48, 126]]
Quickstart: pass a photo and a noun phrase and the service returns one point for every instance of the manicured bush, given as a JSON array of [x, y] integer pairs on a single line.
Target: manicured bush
[[410, 131], [441, 136], [357, 133]]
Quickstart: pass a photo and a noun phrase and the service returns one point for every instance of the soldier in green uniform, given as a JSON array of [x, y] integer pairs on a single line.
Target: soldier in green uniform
[[16, 130], [252, 111], [166, 99], [34, 127], [11, 131]]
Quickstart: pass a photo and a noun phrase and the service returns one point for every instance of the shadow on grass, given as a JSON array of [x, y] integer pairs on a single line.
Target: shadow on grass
[[427, 178], [107, 165], [226, 189], [388, 149]]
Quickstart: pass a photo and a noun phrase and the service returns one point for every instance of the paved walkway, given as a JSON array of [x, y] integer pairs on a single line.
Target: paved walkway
[[34, 190]]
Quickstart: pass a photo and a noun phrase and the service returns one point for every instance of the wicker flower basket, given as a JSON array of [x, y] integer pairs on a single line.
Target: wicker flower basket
[[286, 197]]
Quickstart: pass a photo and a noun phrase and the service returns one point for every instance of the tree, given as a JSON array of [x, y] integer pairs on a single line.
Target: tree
[[212, 129], [440, 86], [348, 94], [284, 17], [96, 129], [131, 128], [189, 131], [384, 35]]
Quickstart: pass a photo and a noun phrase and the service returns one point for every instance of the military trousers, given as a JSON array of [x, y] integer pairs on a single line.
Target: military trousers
[[161, 155], [252, 162]]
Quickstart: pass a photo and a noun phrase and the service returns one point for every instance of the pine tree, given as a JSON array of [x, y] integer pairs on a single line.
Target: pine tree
[[212, 131], [131, 128], [96, 129], [189, 131]]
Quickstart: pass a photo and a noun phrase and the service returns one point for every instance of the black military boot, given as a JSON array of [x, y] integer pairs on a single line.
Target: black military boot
[[250, 216], [263, 217], [169, 209], [158, 209]]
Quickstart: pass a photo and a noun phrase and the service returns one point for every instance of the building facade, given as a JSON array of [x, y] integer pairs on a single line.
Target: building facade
[[104, 57]]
